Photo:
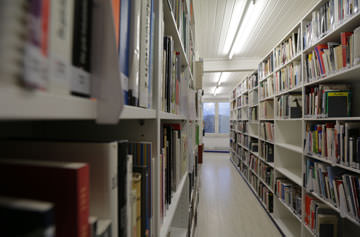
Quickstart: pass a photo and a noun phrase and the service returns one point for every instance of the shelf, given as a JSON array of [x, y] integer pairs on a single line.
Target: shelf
[[267, 98], [290, 147], [348, 24], [170, 212], [266, 77], [255, 88], [171, 29], [288, 208], [264, 140], [290, 174], [132, 112], [266, 185], [21, 104], [271, 164], [322, 159], [288, 119], [344, 75], [255, 105], [332, 119], [170, 116], [290, 227], [295, 89], [178, 232], [296, 57]]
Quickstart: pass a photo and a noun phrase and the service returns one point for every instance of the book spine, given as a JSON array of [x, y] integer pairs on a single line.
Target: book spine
[[83, 186], [81, 53]]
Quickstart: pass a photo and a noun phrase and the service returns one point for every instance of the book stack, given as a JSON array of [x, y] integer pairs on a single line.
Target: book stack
[[252, 81], [267, 131], [242, 126], [253, 163], [267, 151], [319, 218], [253, 98], [173, 153], [289, 106], [328, 100], [267, 109], [288, 77], [287, 49], [266, 196], [175, 84], [254, 144], [35, 52], [326, 18], [253, 113], [335, 142], [334, 185], [289, 193], [266, 88], [253, 180], [266, 67], [266, 173]]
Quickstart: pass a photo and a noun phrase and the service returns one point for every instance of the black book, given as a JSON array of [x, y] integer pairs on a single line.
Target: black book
[[122, 192], [81, 53]]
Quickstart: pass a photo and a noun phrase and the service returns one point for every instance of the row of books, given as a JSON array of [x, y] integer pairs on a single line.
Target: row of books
[[289, 193], [252, 81], [266, 196], [334, 185], [288, 49], [253, 163], [243, 100], [267, 131], [266, 67], [337, 142], [266, 151], [174, 87], [110, 181], [36, 54], [323, 20], [328, 100], [253, 144], [253, 180], [173, 163], [332, 57], [242, 126], [320, 218], [267, 109], [288, 77], [289, 106], [253, 97], [266, 173], [253, 113], [266, 88]]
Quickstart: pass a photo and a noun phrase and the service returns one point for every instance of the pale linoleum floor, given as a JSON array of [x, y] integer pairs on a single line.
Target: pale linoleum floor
[[227, 207]]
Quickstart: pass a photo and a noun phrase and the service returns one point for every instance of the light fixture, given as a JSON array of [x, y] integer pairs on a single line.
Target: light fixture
[[249, 20], [219, 80], [215, 90]]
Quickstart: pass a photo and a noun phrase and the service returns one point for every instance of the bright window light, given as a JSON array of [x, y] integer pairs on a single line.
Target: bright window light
[[233, 26], [252, 16]]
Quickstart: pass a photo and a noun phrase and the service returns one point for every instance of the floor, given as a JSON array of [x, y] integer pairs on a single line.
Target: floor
[[227, 207]]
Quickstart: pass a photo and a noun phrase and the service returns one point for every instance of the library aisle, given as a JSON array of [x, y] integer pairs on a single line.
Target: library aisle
[[227, 207]]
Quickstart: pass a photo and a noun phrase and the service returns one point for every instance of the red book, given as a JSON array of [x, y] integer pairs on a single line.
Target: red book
[[116, 15], [319, 51], [63, 183], [45, 26], [344, 42], [308, 200]]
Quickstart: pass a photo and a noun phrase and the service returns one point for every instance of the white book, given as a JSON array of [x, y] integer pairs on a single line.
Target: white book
[[61, 45], [101, 157], [144, 53], [356, 46], [134, 49]]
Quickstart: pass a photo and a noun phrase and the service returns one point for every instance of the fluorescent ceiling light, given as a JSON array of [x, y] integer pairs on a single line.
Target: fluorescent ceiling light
[[237, 12], [251, 17], [215, 90], [219, 80]]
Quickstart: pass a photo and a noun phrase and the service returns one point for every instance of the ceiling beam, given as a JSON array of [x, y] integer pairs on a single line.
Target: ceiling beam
[[235, 65]]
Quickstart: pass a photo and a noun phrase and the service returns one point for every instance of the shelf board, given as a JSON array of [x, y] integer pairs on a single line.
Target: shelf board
[[267, 98], [178, 232], [264, 140], [296, 57], [322, 159], [266, 77], [290, 227], [266, 185], [171, 29], [295, 89], [290, 174], [132, 112], [271, 164], [170, 212], [332, 119], [171, 116], [344, 75], [289, 208], [288, 119], [20, 104], [290, 147]]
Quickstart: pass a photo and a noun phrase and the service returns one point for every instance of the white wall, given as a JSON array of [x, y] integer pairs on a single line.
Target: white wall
[[221, 143]]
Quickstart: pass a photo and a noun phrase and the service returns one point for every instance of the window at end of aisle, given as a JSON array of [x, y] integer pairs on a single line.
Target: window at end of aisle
[[224, 117], [209, 117]]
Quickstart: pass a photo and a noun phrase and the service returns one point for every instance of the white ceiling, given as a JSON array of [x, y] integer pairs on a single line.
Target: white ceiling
[[213, 17]]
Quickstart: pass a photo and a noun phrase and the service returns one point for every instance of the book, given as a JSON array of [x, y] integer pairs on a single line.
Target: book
[[81, 54], [24, 217], [116, 15], [124, 52], [63, 183], [104, 228], [93, 226], [103, 161], [136, 209], [134, 63], [144, 198]]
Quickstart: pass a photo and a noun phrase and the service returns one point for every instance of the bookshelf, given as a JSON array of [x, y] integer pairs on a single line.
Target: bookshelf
[[290, 153], [102, 116]]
